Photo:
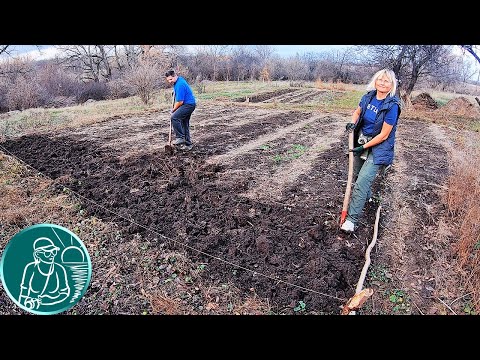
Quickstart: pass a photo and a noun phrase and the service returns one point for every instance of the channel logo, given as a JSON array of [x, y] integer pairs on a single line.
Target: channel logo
[[45, 269]]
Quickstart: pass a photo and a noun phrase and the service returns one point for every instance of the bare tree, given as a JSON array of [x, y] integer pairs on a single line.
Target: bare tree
[[92, 60], [12, 68], [263, 54], [214, 54], [472, 49], [242, 59], [4, 49], [296, 68], [410, 63], [126, 56]]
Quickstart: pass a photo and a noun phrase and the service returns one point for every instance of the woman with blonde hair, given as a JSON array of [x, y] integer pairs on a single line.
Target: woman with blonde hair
[[374, 123]]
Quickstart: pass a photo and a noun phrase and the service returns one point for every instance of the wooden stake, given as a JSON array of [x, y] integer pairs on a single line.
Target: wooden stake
[[361, 295], [363, 274]]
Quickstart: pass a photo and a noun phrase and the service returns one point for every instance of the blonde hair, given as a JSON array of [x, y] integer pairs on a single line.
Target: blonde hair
[[389, 74]]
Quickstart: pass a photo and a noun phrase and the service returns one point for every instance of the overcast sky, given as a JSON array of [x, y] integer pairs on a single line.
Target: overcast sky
[[292, 50], [48, 51]]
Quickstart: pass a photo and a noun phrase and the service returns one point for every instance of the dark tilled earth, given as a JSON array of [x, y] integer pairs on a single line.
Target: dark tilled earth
[[255, 205]]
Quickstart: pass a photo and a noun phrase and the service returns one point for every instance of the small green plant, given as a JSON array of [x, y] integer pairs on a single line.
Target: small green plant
[[300, 307], [201, 266], [477, 245], [278, 158], [296, 151], [400, 299], [264, 147], [171, 278], [469, 309], [378, 273]]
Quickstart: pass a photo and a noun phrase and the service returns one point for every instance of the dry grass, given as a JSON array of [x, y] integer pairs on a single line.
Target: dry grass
[[17, 123], [335, 86], [464, 208], [178, 288], [32, 199], [162, 303]]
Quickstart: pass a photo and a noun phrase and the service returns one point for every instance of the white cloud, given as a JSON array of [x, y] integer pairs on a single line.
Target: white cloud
[[45, 52], [292, 50]]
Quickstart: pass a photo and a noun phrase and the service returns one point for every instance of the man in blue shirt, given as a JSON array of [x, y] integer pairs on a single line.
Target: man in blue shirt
[[183, 107]]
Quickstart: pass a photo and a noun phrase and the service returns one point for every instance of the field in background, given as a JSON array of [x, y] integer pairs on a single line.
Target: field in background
[[229, 106], [15, 123]]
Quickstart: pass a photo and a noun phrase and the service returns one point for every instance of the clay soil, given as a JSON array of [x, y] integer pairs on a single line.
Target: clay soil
[[247, 221]]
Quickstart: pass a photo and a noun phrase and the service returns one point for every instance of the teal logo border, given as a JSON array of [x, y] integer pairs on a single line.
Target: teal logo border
[[27, 241]]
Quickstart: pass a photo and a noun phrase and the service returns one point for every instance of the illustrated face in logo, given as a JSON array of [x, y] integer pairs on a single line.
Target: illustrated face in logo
[[45, 269]]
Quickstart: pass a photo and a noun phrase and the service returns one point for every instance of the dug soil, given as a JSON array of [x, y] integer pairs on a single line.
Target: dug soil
[[248, 220]]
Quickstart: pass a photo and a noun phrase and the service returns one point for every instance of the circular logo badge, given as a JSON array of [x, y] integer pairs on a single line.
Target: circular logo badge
[[45, 269]]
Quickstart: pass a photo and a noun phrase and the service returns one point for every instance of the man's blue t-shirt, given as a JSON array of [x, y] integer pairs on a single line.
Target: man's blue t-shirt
[[371, 114], [183, 92]]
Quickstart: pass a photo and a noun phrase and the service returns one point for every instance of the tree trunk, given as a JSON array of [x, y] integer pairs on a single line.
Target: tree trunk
[[406, 99]]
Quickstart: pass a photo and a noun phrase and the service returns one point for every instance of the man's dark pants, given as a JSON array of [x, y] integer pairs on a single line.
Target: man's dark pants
[[181, 122]]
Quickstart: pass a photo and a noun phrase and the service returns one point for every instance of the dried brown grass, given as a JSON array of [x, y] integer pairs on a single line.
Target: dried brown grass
[[162, 303], [38, 120], [337, 86], [464, 208]]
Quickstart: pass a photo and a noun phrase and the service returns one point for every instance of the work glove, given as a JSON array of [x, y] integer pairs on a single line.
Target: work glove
[[349, 127], [357, 150]]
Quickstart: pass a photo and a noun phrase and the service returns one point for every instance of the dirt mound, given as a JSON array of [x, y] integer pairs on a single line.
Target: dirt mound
[[424, 101], [462, 106]]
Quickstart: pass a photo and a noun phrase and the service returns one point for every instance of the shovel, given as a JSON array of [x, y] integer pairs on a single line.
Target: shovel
[[349, 180], [169, 148]]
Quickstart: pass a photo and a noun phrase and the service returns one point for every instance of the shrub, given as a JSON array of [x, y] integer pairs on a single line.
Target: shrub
[[117, 89], [91, 90], [143, 79], [23, 94]]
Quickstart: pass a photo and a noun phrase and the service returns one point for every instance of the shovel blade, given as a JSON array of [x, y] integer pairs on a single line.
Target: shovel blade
[[169, 149]]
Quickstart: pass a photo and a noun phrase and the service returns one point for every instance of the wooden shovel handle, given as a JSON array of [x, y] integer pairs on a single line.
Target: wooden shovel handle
[[170, 132], [349, 180]]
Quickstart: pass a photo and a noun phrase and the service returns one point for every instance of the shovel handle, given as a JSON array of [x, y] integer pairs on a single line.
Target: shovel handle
[[170, 132], [346, 199]]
